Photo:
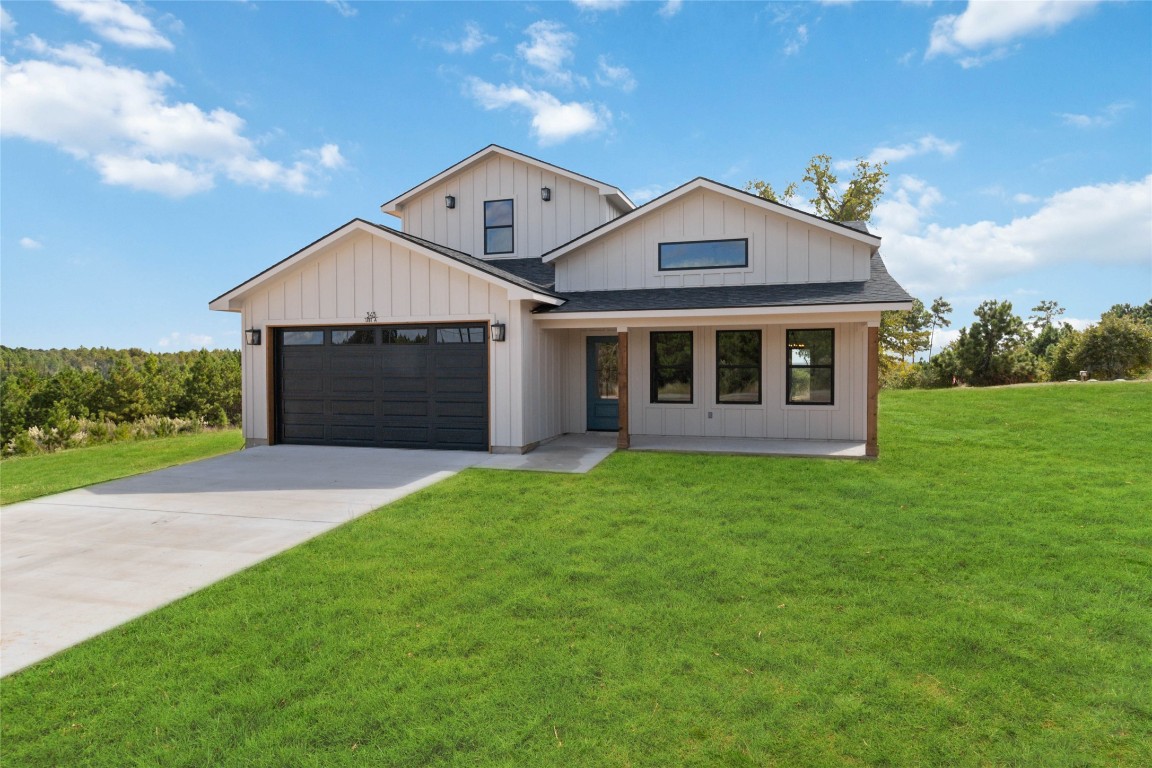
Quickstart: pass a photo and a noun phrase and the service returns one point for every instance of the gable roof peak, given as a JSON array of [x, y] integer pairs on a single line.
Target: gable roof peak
[[396, 204]]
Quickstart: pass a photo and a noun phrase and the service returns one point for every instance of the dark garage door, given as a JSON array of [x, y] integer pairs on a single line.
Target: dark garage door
[[412, 386]]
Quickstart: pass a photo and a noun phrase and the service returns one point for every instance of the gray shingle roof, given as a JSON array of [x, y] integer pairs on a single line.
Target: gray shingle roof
[[484, 266], [880, 288], [533, 270]]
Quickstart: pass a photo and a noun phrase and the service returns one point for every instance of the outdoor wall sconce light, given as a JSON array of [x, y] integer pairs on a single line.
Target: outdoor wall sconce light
[[252, 336], [498, 331], [449, 201], [545, 194]]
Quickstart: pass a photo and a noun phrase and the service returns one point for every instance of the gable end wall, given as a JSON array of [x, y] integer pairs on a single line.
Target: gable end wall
[[574, 209], [780, 249]]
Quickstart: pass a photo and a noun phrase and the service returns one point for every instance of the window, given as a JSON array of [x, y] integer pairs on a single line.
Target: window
[[302, 338], [406, 336], [810, 367], [473, 335], [737, 366], [361, 336], [704, 254], [498, 226], [672, 367]]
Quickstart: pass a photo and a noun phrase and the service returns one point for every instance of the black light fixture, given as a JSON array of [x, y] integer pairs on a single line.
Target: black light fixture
[[449, 201], [545, 193], [252, 336], [498, 331]]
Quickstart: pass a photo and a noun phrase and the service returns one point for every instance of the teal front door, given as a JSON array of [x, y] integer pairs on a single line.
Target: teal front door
[[603, 380]]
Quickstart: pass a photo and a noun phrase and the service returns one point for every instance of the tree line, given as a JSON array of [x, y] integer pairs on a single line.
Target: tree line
[[59, 388], [1000, 347]]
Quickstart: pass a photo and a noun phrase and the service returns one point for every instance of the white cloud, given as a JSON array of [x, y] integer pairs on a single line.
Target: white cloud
[[29, 244], [186, 341], [549, 50], [473, 40], [991, 24], [1108, 117], [670, 8], [117, 22], [595, 6], [7, 23], [797, 41], [612, 76], [553, 121], [343, 7], [922, 146], [120, 121], [641, 195], [1103, 224], [1024, 198]]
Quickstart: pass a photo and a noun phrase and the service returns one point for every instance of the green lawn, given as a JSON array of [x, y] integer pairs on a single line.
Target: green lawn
[[30, 476], [980, 596]]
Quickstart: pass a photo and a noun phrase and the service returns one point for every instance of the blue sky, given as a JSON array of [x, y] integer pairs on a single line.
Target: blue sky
[[154, 155]]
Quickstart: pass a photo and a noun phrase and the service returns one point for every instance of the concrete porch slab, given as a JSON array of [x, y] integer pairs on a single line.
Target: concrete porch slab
[[752, 446], [574, 453]]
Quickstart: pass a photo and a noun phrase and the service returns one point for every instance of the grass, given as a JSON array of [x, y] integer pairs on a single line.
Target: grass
[[980, 596], [27, 477]]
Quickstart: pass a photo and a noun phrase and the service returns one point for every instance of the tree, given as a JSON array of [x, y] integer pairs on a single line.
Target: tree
[[991, 350], [854, 203], [939, 319], [903, 333], [1141, 314], [1045, 313], [1115, 347]]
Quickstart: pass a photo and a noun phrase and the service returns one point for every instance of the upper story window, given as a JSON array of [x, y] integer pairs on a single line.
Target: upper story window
[[704, 254], [498, 226], [810, 366]]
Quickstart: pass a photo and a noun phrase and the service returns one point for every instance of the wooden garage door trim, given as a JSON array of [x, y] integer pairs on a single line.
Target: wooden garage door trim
[[430, 394]]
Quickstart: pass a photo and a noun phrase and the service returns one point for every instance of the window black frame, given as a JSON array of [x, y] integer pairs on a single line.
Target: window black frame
[[830, 366], [660, 254], [510, 227], [356, 337], [655, 366], [758, 367]]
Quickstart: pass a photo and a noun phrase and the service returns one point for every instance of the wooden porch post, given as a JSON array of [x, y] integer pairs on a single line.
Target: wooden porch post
[[623, 439], [872, 446]]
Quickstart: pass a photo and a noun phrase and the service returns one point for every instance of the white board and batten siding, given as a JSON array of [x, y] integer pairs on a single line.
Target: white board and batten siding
[[845, 419], [780, 249], [364, 273], [539, 226]]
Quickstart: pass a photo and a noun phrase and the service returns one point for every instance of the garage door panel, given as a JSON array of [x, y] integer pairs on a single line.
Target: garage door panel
[[412, 369], [353, 384], [303, 432], [352, 408], [415, 395], [416, 408], [302, 407], [363, 434], [467, 410], [462, 386], [407, 435]]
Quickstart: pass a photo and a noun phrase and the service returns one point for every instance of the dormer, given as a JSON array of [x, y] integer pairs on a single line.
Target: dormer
[[500, 204]]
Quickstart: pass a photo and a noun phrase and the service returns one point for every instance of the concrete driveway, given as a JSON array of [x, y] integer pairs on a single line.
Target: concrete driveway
[[79, 563]]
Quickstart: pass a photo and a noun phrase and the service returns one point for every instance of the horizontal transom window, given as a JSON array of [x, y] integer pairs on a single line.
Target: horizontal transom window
[[704, 254]]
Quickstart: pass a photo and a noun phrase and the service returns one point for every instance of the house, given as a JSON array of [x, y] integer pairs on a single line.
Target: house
[[519, 301]]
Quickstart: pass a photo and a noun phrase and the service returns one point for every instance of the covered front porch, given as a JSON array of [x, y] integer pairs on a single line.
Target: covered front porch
[[730, 385]]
